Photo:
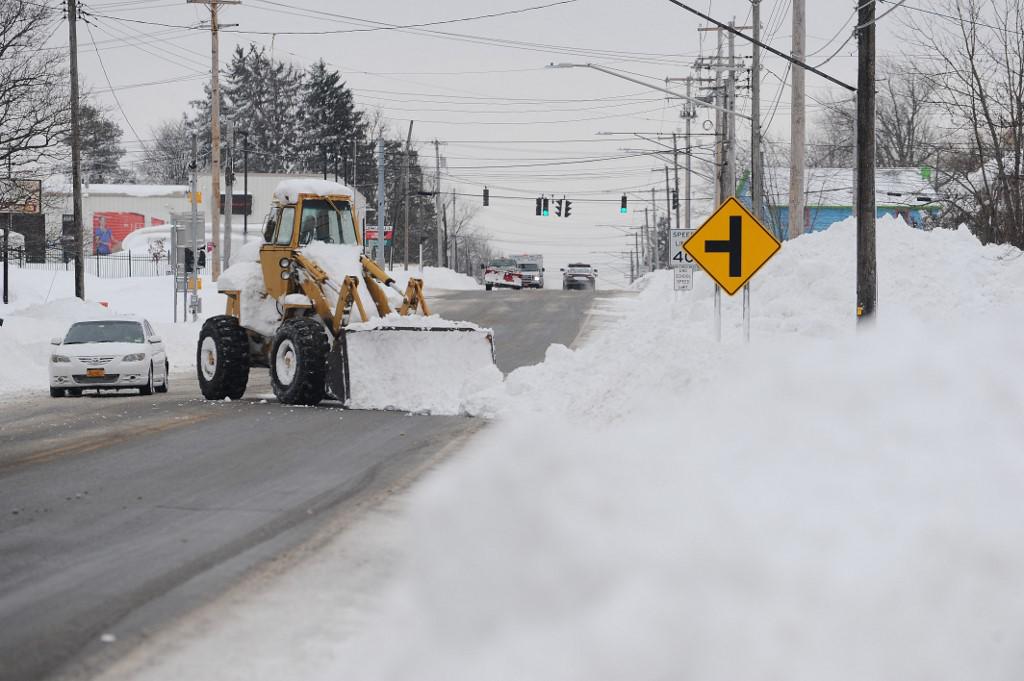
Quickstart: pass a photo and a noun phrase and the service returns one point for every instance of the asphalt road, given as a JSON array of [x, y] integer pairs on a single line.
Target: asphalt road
[[119, 513]]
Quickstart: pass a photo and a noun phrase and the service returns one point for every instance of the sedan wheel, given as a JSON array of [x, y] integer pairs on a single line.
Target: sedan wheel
[[148, 388], [166, 384]]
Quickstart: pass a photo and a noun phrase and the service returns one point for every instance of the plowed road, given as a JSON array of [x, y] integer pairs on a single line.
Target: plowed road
[[122, 513]]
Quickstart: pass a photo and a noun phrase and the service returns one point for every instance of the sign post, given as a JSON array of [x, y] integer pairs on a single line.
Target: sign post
[[731, 246], [681, 261]]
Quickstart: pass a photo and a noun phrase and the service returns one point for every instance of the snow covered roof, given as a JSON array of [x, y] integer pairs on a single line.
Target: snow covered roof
[[138, 190], [59, 184], [288, 190], [834, 187]]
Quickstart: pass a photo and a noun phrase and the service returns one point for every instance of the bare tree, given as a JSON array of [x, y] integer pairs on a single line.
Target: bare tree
[[166, 158], [978, 80], [35, 105], [905, 135]]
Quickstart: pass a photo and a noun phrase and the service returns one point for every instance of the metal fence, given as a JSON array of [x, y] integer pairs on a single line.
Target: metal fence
[[114, 266]]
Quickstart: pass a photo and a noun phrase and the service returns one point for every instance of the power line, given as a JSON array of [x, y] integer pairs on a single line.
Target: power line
[[113, 93]]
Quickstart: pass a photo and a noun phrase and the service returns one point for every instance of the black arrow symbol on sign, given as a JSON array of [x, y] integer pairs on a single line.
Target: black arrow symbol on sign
[[734, 246]]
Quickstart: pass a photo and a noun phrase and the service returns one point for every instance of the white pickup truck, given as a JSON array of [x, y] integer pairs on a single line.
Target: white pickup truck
[[580, 276], [532, 269]]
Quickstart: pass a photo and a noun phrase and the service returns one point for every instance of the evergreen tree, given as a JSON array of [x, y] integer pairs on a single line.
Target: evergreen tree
[[330, 121], [201, 121], [265, 95], [100, 145]]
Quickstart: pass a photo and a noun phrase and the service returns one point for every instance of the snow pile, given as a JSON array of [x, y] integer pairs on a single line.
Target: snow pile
[[821, 504], [429, 365], [340, 261], [436, 279]]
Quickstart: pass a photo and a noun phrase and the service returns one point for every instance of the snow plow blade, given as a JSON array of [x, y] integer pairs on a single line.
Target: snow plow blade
[[418, 364]]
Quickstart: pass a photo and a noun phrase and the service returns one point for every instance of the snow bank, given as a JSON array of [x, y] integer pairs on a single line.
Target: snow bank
[[437, 279], [821, 504]]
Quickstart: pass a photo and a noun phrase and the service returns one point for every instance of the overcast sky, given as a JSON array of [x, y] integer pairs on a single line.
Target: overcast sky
[[481, 87]]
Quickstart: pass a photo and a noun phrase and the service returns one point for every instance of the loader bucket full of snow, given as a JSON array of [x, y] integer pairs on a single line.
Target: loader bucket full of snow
[[418, 364]]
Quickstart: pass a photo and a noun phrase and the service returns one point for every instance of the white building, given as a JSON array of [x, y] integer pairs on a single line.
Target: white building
[[110, 212]]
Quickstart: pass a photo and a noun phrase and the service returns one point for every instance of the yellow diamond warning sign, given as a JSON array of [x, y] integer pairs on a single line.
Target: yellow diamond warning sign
[[731, 246]]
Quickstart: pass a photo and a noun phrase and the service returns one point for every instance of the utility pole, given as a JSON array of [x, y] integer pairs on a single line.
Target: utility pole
[[798, 122], [380, 199], [195, 231], [437, 201], [867, 272], [245, 186], [691, 112], [653, 242], [214, 6], [8, 227], [668, 207], [719, 127], [355, 162], [646, 242], [76, 154], [636, 253], [229, 189], [405, 198], [449, 258], [730, 175], [675, 166], [756, 178]]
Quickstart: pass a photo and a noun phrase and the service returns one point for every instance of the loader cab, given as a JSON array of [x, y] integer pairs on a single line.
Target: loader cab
[[328, 219]]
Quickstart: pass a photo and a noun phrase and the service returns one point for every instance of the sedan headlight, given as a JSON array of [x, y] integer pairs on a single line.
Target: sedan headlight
[[58, 359], [134, 357]]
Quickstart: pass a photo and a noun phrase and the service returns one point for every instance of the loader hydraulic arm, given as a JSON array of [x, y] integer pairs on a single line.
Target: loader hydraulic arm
[[412, 296], [316, 280]]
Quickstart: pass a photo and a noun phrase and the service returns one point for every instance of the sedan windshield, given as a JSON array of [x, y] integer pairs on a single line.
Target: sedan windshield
[[105, 332]]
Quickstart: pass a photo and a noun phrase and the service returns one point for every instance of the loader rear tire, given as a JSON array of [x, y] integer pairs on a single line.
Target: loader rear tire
[[222, 358], [298, 362]]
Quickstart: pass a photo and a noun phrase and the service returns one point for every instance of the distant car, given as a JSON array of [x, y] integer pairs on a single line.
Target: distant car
[[579, 275], [502, 273], [108, 354]]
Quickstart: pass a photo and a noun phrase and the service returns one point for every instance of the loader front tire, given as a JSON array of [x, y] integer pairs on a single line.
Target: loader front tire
[[298, 362], [222, 358]]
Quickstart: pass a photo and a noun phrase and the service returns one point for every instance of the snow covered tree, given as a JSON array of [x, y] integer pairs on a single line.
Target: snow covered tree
[[329, 121], [264, 97]]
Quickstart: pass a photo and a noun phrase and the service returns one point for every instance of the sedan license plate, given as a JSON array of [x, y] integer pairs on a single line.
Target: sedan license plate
[[95, 373]]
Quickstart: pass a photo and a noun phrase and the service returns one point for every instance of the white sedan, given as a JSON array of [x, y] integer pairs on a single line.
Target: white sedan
[[108, 354]]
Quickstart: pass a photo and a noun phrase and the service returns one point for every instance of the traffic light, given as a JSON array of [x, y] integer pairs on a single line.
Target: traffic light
[[622, 206], [567, 209], [539, 202], [675, 200], [558, 207], [545, 212], [487, 196]]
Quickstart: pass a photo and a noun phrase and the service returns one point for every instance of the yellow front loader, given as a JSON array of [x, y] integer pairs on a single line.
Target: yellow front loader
[[316, 311]]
